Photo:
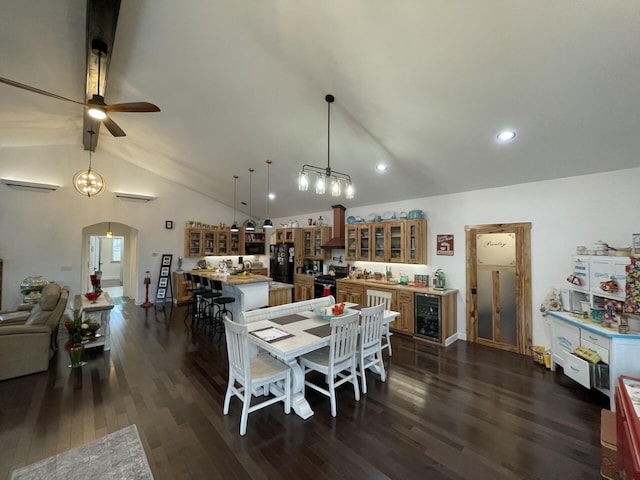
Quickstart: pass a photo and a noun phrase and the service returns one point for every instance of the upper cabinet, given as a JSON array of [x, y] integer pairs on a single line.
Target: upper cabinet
[[397, 241], [313, 239], [200, 242]]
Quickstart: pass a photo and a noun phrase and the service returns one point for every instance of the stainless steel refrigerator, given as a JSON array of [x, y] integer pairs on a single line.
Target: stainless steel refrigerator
[[282, 262]]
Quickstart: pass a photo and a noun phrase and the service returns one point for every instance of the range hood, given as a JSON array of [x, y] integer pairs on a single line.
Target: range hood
[[337, 241]]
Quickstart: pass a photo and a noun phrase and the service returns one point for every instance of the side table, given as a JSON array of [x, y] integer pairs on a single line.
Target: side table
[[100, 312]]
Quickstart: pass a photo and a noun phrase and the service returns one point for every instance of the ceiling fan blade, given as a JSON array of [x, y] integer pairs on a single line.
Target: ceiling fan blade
[[113, 128], [13, 83], [132, 107]]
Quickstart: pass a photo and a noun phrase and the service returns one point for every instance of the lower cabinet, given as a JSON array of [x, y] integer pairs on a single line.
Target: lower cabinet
[[405, 322], [619, 354], [302, 287], [279, 296], [180, 293], [350, 293]]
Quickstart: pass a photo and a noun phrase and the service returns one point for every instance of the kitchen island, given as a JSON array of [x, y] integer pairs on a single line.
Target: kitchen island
[[250, 291]]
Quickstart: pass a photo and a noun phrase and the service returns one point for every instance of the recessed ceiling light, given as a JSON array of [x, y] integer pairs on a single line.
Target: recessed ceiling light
[[272, 196], [381, 167], [506, 135]]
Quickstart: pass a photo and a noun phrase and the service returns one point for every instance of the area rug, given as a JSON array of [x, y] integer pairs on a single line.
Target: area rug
[[118, 455]]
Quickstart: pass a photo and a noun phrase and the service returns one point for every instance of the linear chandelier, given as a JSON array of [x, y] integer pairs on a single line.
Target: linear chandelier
[[323, 175]]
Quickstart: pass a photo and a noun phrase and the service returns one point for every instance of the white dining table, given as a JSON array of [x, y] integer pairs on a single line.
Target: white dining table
[[298, 343]]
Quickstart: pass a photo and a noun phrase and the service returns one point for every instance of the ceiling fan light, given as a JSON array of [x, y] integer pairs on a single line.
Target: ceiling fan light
[[97, 113], [303, 181], [320, 185]]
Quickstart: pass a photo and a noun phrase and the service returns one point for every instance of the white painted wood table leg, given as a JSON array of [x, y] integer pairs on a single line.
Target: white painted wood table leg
[[299, 403]]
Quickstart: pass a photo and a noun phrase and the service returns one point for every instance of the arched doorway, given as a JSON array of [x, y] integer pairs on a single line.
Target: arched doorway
[[128, 236]]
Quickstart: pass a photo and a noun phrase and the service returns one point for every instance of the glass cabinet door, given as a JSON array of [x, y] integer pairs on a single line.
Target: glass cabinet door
[[379, 243], [193, 242], [351, 242], [395, 240], [317, 243], [209, 247], [364, 242], [235, 243], [308, 239], [223, 243]]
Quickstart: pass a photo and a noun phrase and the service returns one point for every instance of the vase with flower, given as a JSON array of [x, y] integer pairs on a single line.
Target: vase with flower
[[76, 328]]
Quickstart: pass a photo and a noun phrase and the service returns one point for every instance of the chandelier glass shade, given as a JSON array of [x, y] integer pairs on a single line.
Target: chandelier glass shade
[[89, 182], [339, 181]]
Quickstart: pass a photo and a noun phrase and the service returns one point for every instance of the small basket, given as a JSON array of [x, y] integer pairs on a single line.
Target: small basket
[[537, 353]]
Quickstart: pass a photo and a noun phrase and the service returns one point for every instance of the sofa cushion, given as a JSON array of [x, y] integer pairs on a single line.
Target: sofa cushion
[[49, 297], [38, 316]]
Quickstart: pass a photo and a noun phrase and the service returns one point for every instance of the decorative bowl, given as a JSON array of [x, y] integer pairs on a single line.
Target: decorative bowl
[[92, 296], [318, 311]]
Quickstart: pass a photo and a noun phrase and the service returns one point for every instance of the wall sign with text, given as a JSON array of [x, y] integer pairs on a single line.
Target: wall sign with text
[[444, 245]]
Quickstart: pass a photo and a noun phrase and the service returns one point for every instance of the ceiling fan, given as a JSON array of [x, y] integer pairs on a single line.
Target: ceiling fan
[[97, 108]]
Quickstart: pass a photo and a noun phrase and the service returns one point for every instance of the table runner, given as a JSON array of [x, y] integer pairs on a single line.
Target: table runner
[[321, 331], [288, 319]]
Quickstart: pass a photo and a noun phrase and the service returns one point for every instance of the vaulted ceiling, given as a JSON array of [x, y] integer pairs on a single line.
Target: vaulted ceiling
[[423, 86]]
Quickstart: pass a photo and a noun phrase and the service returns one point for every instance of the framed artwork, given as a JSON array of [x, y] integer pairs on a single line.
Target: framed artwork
[[164, 272], [161, 293], [166, 260], [444, 245], [168, 224], [163, 282]]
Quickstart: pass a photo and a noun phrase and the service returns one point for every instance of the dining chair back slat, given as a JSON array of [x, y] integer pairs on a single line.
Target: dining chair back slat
[[370, 345], [376, 297]]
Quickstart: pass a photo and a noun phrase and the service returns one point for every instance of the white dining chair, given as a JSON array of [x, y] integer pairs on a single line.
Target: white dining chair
[[370, 343], [376, 297], [338, 360], [252, 373]]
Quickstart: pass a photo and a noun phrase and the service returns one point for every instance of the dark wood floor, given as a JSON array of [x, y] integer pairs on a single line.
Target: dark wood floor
[[466, 412]]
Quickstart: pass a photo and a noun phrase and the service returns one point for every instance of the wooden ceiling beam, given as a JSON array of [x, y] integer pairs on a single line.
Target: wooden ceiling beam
[[102, 19]]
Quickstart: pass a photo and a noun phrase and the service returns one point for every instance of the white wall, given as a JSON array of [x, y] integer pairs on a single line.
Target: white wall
[[564, 213], [41, 233]]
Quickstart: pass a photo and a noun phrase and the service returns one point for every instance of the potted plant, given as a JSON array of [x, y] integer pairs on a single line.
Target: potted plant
[[76, 328]]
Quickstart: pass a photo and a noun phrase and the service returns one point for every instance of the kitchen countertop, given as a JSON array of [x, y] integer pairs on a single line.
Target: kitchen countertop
[[384, 283], [592, 326], [232, 279], [279, 286]]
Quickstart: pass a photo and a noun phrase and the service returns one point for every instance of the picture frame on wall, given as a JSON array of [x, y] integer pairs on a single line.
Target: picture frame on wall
[[168, 224]]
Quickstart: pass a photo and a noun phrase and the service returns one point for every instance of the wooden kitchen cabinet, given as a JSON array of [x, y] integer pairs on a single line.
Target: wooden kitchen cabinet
[[350, 292], [405, 322], [389, 242], [313, 239], [358, 242], [193, 242], [415, 242], [254, 243], [180, 294], [199, 242], [302, 287]]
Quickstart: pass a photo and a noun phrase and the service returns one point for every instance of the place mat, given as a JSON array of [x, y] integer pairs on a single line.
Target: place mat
[[321, 331], [271, 334], [288, 319]]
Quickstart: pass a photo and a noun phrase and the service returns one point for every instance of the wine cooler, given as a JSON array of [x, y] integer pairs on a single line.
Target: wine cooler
[[428, 316]]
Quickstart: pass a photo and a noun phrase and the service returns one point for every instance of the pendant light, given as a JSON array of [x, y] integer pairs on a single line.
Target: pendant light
[[326, 174], [267, 222], [250, 226], [234, 227], [109, 232], [89, 182]]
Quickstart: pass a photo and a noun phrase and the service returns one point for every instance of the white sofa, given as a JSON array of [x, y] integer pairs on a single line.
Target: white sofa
[[285, 309]]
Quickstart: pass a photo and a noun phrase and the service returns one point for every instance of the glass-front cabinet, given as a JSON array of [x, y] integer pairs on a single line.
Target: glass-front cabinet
[[236, 243], [223, 244], [363, 252], [192, 242], [415, 250], [395, 242], [351, 242], [379, 253], [208, 242]]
